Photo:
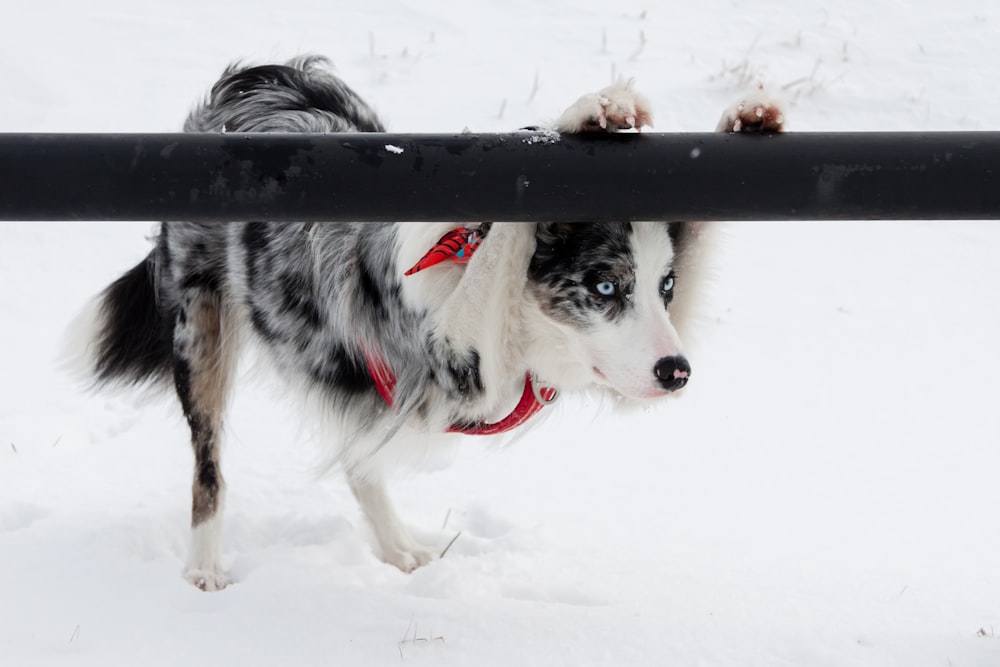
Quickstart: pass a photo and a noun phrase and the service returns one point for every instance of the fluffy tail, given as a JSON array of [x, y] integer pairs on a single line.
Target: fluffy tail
[[124, 336]]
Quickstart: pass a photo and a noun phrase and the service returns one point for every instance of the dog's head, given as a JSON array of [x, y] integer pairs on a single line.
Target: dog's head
[[604, 291]]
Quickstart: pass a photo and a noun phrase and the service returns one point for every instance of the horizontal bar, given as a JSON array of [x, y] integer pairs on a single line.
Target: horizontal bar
[[511, 177]]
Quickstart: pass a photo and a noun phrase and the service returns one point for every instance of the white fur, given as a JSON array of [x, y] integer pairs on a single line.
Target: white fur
[[77, 354], [396, 545], [479, 305], [622, 352], [625, 367], [614, 107], [204, 566], [753, 105]]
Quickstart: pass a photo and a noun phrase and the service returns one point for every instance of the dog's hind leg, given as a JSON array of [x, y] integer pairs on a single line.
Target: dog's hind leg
[[395, 543], [203, 357]]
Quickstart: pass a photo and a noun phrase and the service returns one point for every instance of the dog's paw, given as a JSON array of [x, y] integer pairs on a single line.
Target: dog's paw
[[207, 580], [617, 107], [407, 559], [757, 113]]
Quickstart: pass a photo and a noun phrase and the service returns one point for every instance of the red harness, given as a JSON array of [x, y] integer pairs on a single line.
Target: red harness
[[458, 245]]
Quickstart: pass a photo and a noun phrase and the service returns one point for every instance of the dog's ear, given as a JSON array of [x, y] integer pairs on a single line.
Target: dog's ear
[[553, 233], [551, 239], [693, 244]]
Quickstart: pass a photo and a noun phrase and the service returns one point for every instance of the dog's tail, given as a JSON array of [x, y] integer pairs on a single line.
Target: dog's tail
[[124, 335]]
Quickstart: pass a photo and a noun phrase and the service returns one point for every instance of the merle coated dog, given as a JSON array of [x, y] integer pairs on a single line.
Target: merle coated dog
[[399, 352]]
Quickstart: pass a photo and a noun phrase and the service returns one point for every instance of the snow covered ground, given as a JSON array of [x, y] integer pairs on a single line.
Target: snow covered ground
[[825, 494]]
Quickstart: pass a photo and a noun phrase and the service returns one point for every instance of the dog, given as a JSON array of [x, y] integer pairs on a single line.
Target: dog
[[404, 334]]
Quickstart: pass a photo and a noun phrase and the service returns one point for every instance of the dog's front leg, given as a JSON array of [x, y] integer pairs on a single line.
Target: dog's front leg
[[615, 107], [476, 356], [396, 545], [757, 112], [478, 329]]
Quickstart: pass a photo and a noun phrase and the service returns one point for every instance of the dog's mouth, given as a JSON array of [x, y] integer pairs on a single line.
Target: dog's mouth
[[651, 392]]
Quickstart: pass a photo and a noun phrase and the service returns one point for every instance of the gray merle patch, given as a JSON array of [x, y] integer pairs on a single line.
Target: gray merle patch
[[572, 260]]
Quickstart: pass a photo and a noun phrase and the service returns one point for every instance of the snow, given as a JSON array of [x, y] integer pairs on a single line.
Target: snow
[[823, 494]]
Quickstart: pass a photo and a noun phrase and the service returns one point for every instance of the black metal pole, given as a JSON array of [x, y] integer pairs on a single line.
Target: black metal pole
[[510, 177]]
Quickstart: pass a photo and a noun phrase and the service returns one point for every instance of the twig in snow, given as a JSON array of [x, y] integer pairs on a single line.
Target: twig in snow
[[642, 45], [457, 535], [13, 447], [503, 106], [415, 639], [408, 626], [794, 44], [804, 79], [448, 513], [534, 88], [796, 82], [815, 84]]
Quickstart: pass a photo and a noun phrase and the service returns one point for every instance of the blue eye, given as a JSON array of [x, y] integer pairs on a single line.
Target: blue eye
[[605, 288], [668, 285]]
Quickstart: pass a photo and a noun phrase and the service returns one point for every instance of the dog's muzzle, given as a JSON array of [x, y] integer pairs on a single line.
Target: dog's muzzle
[[672, 372]]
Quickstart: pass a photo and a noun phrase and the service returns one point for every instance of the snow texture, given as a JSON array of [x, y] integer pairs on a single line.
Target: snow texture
[[823, 495]]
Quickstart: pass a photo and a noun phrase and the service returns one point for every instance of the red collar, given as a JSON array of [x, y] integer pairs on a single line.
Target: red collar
[[458, 245], [533, 399]]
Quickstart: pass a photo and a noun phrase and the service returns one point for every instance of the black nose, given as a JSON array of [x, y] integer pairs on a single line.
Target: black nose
[[672, 372]]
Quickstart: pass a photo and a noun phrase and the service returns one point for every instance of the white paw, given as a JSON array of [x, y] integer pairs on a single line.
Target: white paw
[[207, 580], [408, 559], [758, 112], [617, 107]]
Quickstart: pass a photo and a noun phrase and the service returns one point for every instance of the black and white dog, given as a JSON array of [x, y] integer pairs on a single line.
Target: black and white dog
[[397, 361]]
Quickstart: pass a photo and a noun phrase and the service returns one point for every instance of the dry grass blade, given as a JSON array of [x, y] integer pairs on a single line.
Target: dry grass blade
[[457, 535]]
